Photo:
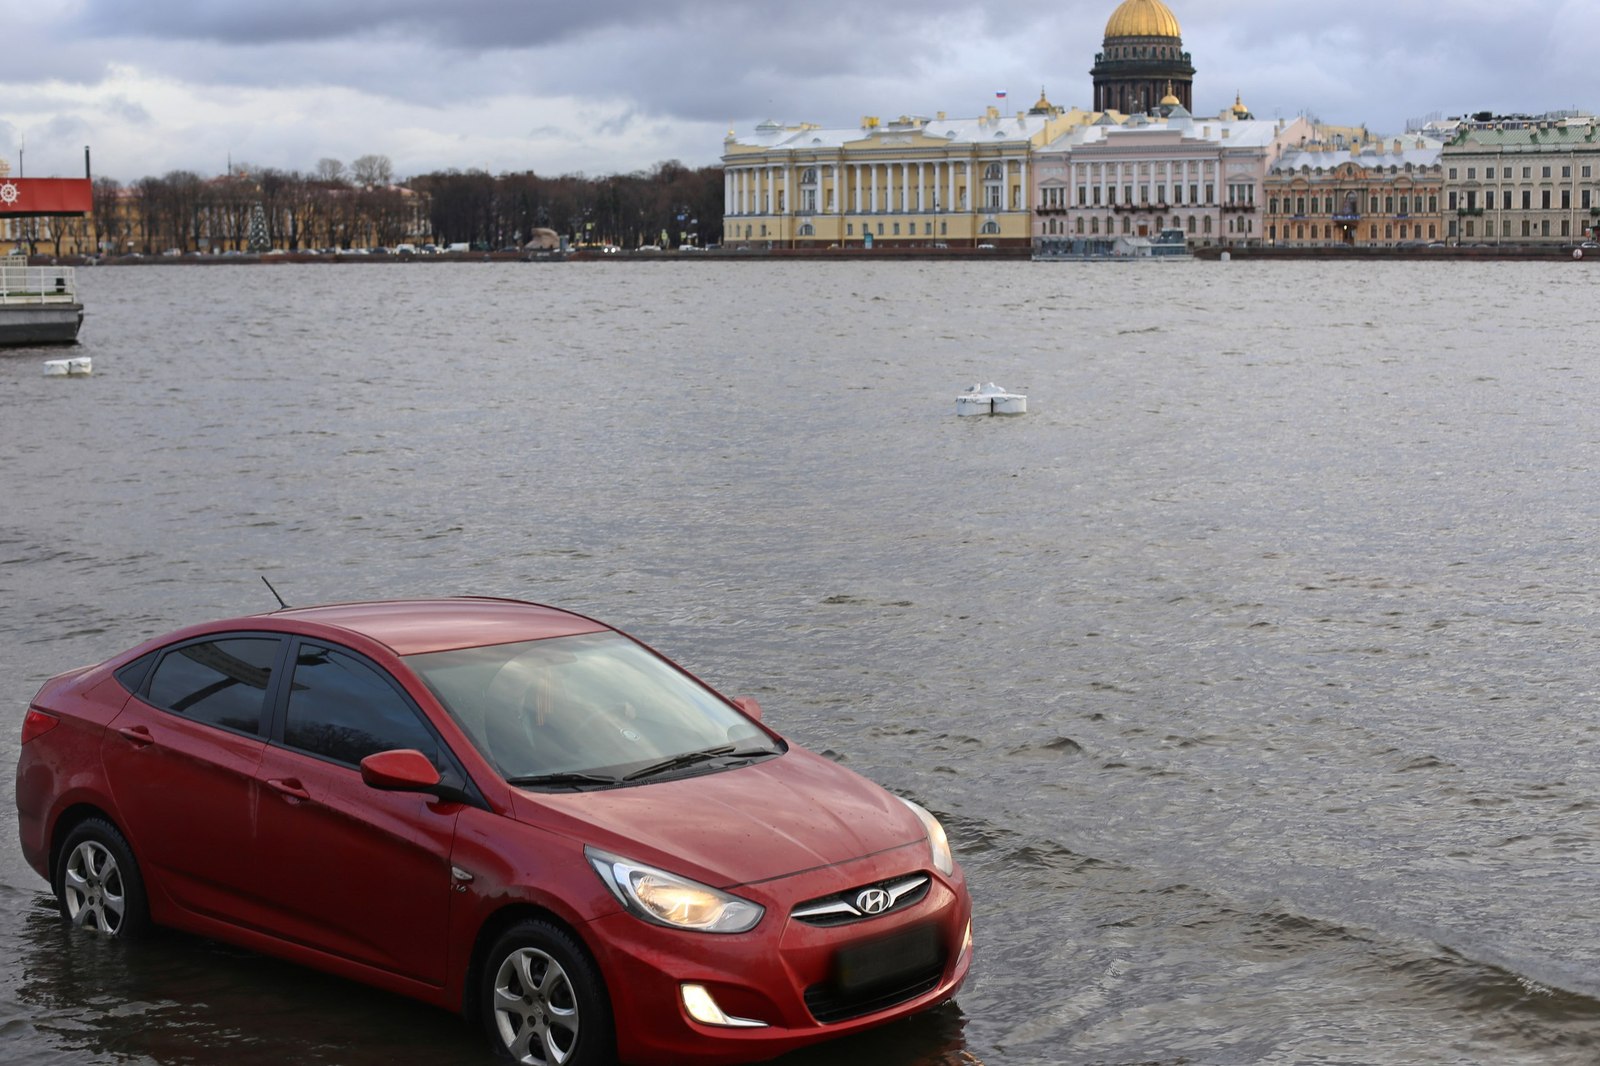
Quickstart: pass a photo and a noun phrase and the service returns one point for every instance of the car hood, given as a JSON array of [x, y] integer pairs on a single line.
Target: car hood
[[736, 827]]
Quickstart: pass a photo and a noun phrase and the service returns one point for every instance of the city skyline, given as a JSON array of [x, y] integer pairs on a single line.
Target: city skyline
[[508, 85]]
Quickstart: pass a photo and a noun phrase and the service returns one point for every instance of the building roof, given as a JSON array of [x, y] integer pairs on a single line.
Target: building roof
[[1142, 18], [1529, 135], [1418, 152], [903, 132], [1142, 130]]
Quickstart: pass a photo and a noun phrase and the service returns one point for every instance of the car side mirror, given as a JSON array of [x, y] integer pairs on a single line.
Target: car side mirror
[[749, 706], [405, 770]]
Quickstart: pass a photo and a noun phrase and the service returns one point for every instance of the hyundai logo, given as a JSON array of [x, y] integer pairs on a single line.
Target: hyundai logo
[[872, 901]]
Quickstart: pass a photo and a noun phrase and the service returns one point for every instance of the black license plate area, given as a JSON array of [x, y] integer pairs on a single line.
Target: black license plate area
[[886, 960]]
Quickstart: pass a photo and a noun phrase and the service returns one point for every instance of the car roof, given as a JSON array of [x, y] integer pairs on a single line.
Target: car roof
[[410, 627]]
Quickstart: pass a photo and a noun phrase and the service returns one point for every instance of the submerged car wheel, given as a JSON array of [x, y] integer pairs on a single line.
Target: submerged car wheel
[[97, 881], [543, 1001]]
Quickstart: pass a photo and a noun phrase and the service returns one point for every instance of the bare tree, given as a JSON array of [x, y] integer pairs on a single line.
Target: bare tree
[[372, 170], [330, 170]]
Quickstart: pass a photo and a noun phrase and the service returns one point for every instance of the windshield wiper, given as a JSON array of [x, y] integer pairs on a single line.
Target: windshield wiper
[[565, 777], [690, 758]]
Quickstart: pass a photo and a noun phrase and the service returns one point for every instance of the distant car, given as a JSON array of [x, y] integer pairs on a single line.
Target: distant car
[[499, 808], [1590, 244], [987, 246], [687, 248], [649, 247]]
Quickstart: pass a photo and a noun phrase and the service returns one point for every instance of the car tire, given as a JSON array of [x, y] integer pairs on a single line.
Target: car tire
[[98, 884], [542, 999]]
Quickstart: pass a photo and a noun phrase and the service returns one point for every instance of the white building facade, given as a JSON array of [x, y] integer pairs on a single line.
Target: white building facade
[[1201, 176]]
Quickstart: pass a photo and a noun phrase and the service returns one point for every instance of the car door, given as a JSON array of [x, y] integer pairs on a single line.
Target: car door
[[181, 759], [348, 869]]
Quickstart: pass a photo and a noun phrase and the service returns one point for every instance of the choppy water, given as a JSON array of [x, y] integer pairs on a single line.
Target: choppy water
[[1254, 670]]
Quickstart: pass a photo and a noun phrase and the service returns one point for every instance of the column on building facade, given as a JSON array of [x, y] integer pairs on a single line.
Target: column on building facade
[[855, 207], [1023, 177]]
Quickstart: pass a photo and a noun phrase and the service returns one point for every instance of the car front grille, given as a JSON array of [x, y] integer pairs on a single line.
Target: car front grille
[[829, 1004], [855, 904]]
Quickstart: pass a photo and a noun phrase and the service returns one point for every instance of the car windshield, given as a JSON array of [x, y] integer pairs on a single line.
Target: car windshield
[[585, 711]]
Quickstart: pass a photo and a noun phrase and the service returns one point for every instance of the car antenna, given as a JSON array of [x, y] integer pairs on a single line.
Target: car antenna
[[274, 591]]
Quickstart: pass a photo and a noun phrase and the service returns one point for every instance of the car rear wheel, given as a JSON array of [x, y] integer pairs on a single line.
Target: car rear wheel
[[543, 1001], [98, 885]]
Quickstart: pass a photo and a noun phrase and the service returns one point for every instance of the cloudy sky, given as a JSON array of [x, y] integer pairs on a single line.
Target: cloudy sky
[[612, 86]]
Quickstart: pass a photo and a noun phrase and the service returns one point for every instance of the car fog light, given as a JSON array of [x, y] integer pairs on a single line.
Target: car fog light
[[702, 1008]]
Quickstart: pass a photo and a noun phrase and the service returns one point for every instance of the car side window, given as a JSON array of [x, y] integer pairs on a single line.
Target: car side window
[[343, 709], [219, 682]]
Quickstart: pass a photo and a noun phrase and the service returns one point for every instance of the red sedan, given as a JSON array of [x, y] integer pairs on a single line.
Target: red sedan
[[499, 808]]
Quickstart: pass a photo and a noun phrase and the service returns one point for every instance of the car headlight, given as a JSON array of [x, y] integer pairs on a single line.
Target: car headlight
[[667, 899], [938, 843]]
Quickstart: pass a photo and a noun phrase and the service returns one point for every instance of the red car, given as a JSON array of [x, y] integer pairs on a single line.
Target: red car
[[499, 808]]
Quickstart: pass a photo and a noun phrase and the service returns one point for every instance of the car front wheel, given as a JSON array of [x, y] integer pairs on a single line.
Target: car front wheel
[[98, 885], [543, 1001]]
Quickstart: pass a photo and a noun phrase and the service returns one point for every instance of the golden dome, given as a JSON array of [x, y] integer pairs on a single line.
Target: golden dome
[[1143, 18]]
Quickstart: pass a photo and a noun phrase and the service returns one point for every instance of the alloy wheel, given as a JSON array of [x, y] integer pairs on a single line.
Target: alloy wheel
[[535, 1008], [93, 888]]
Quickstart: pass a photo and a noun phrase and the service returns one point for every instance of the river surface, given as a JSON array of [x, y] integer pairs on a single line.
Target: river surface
[[1255, 671]]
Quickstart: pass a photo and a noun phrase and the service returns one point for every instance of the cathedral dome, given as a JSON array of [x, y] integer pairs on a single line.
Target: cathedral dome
[[1142, 18]]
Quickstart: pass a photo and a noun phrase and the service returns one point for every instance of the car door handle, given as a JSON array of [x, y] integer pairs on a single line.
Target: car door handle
[[138, 734], [289, 787]]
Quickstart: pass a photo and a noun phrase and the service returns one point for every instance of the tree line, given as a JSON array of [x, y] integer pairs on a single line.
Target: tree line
[[360, 206]]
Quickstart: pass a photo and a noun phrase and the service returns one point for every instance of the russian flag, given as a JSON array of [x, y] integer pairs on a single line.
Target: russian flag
[[1000, 95]]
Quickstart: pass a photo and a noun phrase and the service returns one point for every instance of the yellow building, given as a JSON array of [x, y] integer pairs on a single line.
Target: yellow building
[[907, 182], [1374, 195]]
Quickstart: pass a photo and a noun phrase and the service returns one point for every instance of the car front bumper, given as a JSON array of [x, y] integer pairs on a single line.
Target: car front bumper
[[786, 983]]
